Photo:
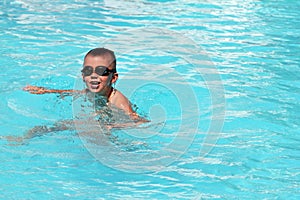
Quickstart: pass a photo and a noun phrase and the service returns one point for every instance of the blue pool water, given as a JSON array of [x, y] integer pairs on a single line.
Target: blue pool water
[[249, 53]]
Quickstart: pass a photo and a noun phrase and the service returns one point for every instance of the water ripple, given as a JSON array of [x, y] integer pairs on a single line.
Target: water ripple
[[255, 47]]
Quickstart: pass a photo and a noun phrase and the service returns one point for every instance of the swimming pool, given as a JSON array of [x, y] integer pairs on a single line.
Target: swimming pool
[[253, 46]]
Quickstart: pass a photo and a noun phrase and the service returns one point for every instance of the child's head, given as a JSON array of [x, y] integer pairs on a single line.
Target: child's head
[[104, 53], [99, 70]]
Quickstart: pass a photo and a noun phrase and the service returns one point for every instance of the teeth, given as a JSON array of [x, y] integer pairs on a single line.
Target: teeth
[[95, 82]]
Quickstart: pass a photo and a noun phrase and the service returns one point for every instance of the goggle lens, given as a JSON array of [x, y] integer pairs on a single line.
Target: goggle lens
[[100, 70]]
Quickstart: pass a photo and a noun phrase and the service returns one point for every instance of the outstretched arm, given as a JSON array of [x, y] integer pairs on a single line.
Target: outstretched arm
[[43, 90]]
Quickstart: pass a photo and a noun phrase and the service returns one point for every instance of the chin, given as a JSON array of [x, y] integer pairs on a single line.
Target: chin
[[94, 90], [97, 90]]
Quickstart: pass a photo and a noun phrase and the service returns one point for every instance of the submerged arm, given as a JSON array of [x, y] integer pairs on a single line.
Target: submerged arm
[[121, 102]]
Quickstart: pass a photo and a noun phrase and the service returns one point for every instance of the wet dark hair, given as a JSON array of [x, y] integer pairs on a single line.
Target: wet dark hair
[[103, 52]]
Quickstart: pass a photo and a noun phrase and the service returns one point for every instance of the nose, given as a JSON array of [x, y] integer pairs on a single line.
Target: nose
[[94, 76]]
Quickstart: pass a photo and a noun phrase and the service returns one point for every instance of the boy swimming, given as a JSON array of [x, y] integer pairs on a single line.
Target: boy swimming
[[99, 74]]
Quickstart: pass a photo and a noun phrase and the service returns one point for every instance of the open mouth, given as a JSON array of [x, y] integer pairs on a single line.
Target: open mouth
[[95, 84]]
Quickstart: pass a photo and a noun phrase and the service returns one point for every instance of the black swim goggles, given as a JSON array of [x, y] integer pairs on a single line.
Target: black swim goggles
[[100, 70]]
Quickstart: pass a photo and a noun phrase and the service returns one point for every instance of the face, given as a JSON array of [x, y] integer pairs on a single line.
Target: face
[[95, 82]]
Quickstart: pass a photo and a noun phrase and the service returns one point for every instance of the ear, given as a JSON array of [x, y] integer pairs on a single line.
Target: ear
[[114, 78]]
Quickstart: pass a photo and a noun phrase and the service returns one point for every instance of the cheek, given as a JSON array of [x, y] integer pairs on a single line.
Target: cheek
[[103, 79], [84, 79]]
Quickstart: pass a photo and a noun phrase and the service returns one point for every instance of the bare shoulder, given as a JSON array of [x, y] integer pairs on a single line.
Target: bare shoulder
[[119, 100]]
